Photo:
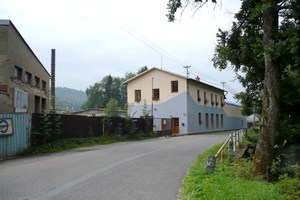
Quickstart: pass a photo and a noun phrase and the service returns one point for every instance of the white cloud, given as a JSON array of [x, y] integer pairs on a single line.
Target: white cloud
[[94, 38]]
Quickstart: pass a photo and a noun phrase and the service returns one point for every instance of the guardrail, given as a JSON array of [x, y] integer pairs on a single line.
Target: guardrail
[[233, 142]]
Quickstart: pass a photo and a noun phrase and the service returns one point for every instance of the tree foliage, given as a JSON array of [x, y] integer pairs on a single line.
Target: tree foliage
[[99, 94], [242, 49], [112, 108], [265, 55]]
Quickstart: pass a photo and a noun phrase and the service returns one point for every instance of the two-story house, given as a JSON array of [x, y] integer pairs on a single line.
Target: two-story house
[[181, 105], [24, 82]]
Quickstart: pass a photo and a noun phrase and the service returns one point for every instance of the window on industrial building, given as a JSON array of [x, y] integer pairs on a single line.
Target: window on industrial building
[[20, 100], [137, 95], [217, 120], [37, 82], [212, 120], [206, 120], [222, 121], [155, 94], [174, 86], [44, 104], [28, 77], [44, 84], [18, 72], [199, 118]]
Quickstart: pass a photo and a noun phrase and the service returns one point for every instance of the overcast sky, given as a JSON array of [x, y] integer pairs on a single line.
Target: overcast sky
[[95, 38]]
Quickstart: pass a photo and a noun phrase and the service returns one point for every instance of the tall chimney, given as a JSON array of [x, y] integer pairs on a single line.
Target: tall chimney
[[53, 80]]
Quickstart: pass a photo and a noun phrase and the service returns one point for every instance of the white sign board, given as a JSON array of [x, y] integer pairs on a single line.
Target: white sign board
[[6, 127]]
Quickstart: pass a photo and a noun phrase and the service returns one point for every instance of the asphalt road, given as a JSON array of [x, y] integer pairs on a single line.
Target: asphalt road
[[151, 169]]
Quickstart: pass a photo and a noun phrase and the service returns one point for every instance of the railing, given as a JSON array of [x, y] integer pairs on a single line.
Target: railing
[[233, 142]]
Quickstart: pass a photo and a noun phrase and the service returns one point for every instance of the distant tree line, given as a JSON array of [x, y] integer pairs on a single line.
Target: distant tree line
[[102, 92]]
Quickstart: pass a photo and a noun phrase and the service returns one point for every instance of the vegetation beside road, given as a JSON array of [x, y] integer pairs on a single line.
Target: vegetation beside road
[[233, 179], [70, 143]]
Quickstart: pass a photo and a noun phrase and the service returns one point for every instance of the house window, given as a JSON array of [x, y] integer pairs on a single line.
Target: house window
[[199, 118], [212, 120], [18, 73], [222, 121], [37, 82], [211, 98], [205, 99], [216, 100], [44, 84], [137, 95], [174, 86], [217, 120], [206, 120], [198, 96], [221, 101], [155, 94], [28, 77]]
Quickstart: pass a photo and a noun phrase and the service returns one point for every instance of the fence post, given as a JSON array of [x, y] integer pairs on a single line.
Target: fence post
[[210, 164], [242, 134], [233, 142], [222, 154], [230, 146], [237, 138]]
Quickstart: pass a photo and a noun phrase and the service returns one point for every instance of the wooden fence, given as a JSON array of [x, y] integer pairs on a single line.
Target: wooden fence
[[84, 126]]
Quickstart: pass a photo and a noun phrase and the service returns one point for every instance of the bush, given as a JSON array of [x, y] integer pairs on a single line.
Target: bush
[[48, 129]]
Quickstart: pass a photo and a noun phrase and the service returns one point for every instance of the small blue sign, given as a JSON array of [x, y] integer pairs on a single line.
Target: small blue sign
[[5, 127]]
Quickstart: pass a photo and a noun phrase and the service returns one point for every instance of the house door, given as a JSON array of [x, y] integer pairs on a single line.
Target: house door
[[175, 125]]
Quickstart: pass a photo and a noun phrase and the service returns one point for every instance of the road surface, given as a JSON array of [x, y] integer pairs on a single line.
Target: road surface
[[151, 169]]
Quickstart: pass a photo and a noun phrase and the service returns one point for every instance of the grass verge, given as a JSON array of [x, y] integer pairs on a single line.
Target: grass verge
[[231, 181], [71, 143]]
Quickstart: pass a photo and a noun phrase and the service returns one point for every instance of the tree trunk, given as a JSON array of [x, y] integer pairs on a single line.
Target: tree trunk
[[264, 152]]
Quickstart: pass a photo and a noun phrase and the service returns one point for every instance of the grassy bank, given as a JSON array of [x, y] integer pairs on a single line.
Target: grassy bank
[[70, 143], [232, 180]]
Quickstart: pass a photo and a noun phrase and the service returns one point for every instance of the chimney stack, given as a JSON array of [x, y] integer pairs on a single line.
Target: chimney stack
[[53, 80]]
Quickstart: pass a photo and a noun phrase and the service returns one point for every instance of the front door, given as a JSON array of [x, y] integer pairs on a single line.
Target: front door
[[175, 125]]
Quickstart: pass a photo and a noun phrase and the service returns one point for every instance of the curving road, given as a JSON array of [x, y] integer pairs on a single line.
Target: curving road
[[151, 169]]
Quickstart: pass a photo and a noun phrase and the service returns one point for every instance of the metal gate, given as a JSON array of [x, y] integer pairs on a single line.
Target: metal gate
[[163, 126], [14, 133]]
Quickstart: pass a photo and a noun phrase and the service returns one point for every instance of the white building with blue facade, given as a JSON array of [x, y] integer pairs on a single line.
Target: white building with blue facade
[[181, 105]]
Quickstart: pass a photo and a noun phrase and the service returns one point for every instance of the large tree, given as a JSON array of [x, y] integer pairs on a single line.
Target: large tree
[[99, 94], [257, 35]]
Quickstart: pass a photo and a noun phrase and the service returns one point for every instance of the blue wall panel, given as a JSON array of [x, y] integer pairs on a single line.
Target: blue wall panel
[[187, 110], [10, 145], [229, 123]]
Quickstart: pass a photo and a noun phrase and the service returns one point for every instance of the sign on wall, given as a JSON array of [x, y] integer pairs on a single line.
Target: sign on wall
[[6, 127]]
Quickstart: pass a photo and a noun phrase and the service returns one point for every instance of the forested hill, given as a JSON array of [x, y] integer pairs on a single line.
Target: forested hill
[[69, 99]]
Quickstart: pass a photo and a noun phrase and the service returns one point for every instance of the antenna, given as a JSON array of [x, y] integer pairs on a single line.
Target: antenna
[[223, 83], [225, 86], [187, 70]]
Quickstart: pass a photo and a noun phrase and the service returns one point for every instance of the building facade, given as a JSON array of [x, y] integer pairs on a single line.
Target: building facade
[[180, 104], [24, 81]]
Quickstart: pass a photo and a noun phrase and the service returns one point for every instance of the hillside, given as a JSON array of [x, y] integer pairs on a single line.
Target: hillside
[[69, 99]]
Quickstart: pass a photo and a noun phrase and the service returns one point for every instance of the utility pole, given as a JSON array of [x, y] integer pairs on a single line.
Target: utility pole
[[187, 70]]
